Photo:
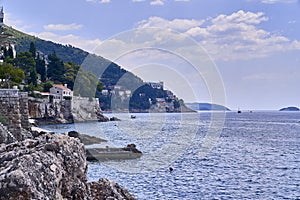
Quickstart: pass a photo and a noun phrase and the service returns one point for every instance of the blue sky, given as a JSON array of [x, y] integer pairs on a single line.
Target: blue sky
[[254, 45]]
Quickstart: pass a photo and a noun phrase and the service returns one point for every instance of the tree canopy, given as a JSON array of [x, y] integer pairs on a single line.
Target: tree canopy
[[10, 75]]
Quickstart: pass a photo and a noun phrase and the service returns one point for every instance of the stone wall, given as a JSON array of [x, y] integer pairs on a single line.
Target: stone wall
[[14, 109], [5, 136], [23, 101], [10, 110]]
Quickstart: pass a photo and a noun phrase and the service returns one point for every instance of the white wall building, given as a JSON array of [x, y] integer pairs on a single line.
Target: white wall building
[[59, 92]]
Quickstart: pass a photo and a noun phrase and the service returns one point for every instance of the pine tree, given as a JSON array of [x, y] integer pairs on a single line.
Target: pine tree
[[41, 67], [32, 49], [55, 69]]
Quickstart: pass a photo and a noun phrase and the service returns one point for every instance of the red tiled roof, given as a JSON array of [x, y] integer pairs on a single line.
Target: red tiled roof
[[61, 87]]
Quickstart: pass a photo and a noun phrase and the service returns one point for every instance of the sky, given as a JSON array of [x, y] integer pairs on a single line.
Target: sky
[[240, 53]]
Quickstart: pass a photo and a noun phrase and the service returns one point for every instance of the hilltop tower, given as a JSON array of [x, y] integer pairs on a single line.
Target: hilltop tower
[[1, 16]]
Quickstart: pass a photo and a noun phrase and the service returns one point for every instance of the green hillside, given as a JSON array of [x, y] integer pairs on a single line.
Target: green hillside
[[65, 52], [110, 74]]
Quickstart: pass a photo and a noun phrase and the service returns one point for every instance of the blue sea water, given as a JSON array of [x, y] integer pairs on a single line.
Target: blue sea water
[[254, 156]]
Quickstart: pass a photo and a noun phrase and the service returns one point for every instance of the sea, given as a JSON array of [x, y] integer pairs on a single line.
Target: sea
[[213, 155]]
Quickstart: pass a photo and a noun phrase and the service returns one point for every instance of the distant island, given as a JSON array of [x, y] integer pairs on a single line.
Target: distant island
[[291, 108], [206, 106]]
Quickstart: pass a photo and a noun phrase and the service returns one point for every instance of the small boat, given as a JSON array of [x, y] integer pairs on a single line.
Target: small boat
[[132, 116], [239, 111]]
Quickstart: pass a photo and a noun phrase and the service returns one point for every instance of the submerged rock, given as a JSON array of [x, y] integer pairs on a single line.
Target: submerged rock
[[86, 139], [50, 166], [114, 119]]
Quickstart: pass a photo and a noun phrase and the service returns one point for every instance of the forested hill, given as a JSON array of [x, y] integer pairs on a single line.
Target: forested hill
[[68, 53], [117, 86], [65, 52]]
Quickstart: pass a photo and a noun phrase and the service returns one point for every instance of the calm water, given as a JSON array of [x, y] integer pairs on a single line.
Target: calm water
[[257, 155]]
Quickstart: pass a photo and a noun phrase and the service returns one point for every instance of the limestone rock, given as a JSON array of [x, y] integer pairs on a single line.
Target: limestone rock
[[43, 168], [50, 166], [105, 189]]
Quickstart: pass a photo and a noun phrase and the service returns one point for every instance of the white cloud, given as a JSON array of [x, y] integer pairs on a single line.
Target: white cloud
[[157, 3], [85, 44], [229, 37], [138, 0], [101, 1], [241, 17], [176, 24], [62, 27], [278, 1], [105, 1], [273, 1]]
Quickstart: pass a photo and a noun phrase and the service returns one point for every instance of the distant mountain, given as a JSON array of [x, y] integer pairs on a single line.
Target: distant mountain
[[290, 109], [206, 106]]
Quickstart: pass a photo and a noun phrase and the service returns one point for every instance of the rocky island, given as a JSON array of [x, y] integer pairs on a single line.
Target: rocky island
[[290, 109]]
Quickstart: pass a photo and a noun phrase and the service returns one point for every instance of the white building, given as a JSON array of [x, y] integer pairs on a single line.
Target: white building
[[159, 85], [105, 92], [60, 92]]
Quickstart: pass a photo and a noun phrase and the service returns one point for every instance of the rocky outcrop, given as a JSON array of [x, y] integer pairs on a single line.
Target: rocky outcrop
[[79, 109], [50, 166], [50, 112], [87, 109], [105, 189]]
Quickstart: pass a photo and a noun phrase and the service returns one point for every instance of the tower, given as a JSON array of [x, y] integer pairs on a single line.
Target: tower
[[1, 16]]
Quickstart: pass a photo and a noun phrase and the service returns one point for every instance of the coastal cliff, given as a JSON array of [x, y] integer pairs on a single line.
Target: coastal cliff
[[79, 109]]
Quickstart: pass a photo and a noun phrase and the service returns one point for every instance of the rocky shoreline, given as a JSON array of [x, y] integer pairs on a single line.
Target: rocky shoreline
[[50, 166]]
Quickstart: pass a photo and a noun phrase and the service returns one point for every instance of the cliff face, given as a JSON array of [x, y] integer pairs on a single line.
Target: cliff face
[[51, 112], [50, 166], [76, 110]]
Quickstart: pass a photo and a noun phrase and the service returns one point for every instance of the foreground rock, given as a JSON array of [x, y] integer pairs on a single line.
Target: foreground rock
[[105, 189], [50, 166]]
